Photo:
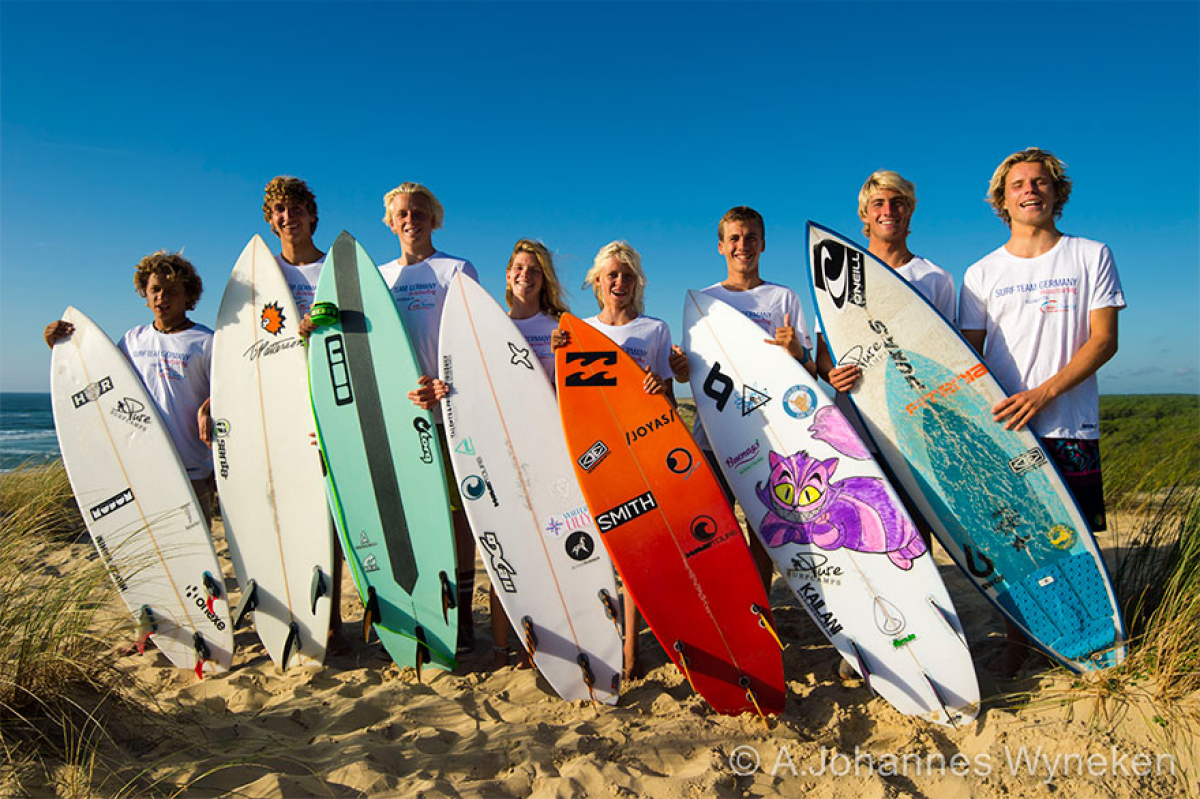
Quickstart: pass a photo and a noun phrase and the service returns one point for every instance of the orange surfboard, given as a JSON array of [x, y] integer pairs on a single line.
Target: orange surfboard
[[667, 526]]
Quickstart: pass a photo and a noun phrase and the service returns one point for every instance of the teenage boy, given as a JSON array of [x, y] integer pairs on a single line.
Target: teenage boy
[[290, 208], [1042, 311], [173, 357], [741, 240], [886, 204], [418, 281]]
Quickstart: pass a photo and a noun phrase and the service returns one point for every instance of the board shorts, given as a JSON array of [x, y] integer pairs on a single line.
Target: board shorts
[[456, 503], [1078, 459]]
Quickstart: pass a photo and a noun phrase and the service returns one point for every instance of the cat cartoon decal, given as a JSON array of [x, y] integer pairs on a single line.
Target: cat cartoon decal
[[805, 504]]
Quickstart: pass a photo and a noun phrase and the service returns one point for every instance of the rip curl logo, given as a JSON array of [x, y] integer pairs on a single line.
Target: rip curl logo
[[272, 319], [92, 392], [132, 412]]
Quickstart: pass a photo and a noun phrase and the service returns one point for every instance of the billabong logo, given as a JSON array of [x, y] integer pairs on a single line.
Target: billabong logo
[[272, 319], [92, 392]]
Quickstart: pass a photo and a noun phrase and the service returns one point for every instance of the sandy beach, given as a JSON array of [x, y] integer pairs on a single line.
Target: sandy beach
[[361, 726]]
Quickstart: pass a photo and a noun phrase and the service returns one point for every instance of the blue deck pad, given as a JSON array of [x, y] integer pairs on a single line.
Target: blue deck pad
[[1066, 606]]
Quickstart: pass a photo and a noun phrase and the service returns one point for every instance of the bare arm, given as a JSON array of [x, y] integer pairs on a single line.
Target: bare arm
[[1095, 352]]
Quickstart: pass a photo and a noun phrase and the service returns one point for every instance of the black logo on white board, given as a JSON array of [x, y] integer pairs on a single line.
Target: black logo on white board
[[520, 356], [838, 271], [92, 392], [718, 386], [111, 504], [580, 545]]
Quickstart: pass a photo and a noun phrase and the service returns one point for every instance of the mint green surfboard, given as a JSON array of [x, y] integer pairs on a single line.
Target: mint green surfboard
[[384, 470]]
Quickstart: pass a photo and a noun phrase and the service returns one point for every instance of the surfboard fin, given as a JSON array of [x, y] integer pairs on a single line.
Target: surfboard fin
[[448, 592], [744, 682], [610, 608], [589, 679], [248, 602], [203, 655], [862, 664], [318, 589], [683, 663], [212, 588], [763, 622], [941, 700], [945, 617], [147, 626], [531, 641], [423, 654], [293, 641], [370, 613]]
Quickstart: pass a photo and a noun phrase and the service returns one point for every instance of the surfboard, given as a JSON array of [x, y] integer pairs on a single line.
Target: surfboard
[[827, 516], [537, 539], [268, 473], [667, 526], [383, 462], [992, 496], [137, 502]]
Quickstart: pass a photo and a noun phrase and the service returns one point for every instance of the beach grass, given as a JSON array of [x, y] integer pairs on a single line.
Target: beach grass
[[53, 681]]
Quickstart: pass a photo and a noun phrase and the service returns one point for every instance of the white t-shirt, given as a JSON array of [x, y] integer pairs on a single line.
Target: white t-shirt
[[1034, 313], [934, 283], [537, 330], [647, 340], [302, 281], [176, 370], [767, 305], [419, 291]]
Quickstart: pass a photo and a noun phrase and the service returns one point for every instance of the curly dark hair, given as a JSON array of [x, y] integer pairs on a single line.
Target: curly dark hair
[[286, 187], [169, 266]]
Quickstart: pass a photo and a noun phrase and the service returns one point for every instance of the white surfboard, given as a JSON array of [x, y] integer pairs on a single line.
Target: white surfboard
[[268, 472], [535, 535], [829, 519], [137, 501]]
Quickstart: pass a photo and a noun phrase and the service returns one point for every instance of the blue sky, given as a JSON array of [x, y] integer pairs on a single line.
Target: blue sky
[[130, 127]]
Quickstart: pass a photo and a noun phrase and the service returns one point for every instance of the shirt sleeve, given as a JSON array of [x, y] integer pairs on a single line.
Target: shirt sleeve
[[1106, 291], [944, 296], [972, 312]]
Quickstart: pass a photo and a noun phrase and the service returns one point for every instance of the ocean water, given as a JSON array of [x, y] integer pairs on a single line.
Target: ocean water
[[26, 429]]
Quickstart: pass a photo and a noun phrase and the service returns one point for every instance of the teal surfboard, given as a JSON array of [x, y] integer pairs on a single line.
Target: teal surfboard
[[384, 474], [992, 496]]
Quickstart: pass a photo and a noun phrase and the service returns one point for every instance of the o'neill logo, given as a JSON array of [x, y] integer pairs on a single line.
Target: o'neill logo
[[92, 392], [838, 271]]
